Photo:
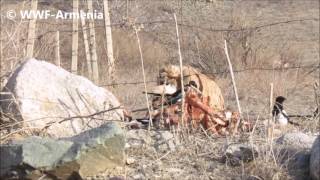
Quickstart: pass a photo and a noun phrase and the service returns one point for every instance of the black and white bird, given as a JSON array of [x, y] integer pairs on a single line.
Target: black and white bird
[[278, 112]]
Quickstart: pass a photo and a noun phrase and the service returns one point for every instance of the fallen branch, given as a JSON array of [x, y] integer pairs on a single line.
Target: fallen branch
[[84, 116]]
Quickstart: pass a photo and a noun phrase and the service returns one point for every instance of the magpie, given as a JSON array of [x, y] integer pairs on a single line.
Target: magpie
[[279, 113]]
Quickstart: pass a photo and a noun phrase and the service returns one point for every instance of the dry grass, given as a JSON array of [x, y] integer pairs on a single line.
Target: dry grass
[[199, 156]]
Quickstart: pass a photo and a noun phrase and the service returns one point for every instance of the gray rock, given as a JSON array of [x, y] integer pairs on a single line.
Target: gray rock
[[41, 93], [137, 138], [161, 141], [165, 141], [294, 148], [10, 156], [235, 154], [315, 160], [130, 160], [139, 176], [117, 178], [298, 164], [87, 154], [297, 140]]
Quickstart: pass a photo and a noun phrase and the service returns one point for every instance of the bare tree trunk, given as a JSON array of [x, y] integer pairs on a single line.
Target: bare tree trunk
[[94, 58], [57, 50], [31, 30], [86, 47], [74, 61], [107, 25]]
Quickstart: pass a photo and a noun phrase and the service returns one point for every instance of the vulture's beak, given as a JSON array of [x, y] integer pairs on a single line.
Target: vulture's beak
[[165, 89]]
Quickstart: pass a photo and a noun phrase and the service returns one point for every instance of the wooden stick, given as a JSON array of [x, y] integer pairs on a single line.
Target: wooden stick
[[86, 47], [270, 120], [57, 50], [181, 68], [1, 54], [317, 100], [162, 99], [144, 76], [234, 84], [94, 58], [108, 32], [31, 30], [74, 53]]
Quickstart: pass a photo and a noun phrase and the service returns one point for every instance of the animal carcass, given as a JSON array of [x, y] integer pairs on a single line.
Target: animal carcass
[[206, 85]]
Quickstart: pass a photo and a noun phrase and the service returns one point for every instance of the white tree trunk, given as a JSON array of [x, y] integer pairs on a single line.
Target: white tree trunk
[[107, 25], [57, 50], [86, 47], [94, 58], [31, 30], [74, 61]]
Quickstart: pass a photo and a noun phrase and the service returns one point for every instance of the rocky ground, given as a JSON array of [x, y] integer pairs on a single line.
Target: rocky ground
[[172, 154], [163, 154]]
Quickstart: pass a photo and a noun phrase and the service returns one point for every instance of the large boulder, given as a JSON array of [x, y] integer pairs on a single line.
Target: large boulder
[[295, 150], [42, 95], [298, 140], [87, 154], [315, 160]]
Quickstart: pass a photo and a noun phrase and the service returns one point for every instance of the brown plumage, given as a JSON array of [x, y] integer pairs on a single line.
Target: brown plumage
[[206, 85]]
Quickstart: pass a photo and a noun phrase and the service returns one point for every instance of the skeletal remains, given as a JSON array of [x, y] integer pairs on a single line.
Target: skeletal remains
[[205, 109]]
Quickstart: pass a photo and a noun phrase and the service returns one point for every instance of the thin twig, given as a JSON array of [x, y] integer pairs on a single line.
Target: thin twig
[[84, 116], [17, 131]]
